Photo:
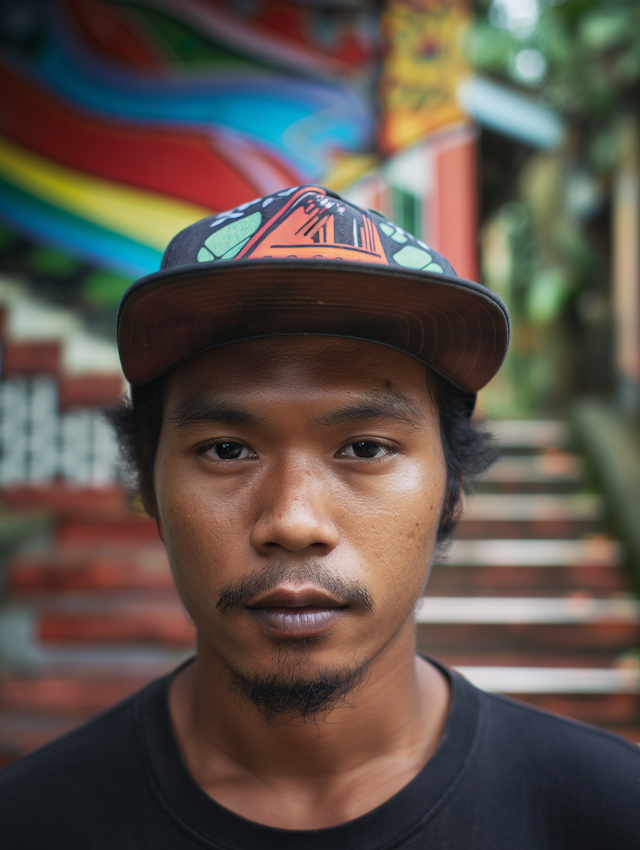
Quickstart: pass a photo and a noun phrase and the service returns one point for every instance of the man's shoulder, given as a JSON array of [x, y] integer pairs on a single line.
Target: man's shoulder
[[82, 758], [557, 728], [562, 752]]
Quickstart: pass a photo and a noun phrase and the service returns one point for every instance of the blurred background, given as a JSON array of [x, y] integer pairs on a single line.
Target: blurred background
[[504, 133]]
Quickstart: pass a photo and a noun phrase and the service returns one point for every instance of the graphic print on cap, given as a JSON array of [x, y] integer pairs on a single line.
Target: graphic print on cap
[[308, 223]]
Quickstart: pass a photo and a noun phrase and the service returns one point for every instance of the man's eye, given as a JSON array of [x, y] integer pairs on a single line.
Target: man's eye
[[230, 451], [366, 449]]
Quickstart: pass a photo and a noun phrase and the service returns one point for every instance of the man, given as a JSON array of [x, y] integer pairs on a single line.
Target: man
[[303, 374]]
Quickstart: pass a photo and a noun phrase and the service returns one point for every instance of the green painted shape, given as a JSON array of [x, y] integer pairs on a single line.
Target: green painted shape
[[230, 239], [104, 288], [399, 237], [386, 228], [412, 258], [230, 254], [205, 256], [185, 46], [7, 238], [51, 262], [434, 267]]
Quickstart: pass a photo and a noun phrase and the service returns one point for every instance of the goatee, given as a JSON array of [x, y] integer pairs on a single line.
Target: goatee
[[295, 694]]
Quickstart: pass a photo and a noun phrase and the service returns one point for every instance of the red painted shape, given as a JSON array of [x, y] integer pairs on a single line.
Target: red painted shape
[[293, 24], [89, 390], [31, 358], [182, 164], [113, 32], [456, 207]]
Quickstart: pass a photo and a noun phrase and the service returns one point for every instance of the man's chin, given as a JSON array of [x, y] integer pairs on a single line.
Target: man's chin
[[299, 689]]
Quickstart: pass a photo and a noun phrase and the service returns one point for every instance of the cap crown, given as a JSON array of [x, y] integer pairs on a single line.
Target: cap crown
[[304, 223], [305, 261]]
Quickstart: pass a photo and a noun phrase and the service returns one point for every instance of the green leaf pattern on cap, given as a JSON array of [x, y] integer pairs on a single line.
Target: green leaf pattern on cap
[[393, 232], [416, 258], [228, 241]]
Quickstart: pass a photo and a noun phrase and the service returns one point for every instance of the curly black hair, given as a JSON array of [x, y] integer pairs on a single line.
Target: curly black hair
[[468, 448]]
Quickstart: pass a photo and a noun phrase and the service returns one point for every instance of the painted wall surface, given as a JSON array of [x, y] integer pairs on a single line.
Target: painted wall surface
[[123, 122]]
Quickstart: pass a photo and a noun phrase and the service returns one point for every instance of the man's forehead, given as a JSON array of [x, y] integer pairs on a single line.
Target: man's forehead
[[333, 410], [341, 375], [276, 360]]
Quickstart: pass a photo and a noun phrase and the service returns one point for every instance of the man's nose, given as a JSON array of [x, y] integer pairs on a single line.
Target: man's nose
[[295, 512]]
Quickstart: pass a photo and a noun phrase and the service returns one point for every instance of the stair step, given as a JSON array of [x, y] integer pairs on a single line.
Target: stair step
[[137, 568], [596, 551], [438, 638], [549, 680], [498, 609], [510, 657], [550, 467], [510, 529], [131, 529], [530, 433], [66, 695], [61, 500], [585, 507], [151, 622], [526, 581]]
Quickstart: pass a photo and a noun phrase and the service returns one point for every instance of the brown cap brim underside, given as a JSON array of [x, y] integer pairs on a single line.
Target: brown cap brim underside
[[458, 328]]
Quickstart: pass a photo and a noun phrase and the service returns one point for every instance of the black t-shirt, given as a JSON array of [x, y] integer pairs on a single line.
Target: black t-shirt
[[505, 777]]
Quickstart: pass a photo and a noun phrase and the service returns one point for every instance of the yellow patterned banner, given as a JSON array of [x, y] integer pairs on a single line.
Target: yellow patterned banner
[[422, 67]]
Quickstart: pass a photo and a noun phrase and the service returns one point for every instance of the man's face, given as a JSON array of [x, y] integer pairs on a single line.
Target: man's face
[[299, 484]]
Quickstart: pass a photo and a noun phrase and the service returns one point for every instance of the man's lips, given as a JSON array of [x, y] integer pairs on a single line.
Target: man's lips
[[297, 612]]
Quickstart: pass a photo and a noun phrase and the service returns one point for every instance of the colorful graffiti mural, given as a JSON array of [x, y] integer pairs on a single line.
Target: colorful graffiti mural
[[122, 122]]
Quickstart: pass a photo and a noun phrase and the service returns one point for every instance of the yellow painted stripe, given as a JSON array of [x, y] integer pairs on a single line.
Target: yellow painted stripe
[[147, 217]]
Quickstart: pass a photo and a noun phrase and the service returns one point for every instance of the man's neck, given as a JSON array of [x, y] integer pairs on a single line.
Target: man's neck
[[307, 775]]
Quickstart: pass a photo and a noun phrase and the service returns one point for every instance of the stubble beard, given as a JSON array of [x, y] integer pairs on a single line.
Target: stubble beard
[[290, 691]]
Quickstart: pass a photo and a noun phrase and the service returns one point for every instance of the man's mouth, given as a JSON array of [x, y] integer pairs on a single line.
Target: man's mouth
[[297, 612]]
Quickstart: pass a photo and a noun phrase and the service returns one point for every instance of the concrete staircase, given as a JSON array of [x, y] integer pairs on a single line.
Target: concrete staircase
[[89, 615], [532, 602]]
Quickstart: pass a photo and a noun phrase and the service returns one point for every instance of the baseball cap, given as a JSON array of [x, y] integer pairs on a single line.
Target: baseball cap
[[305, 261]]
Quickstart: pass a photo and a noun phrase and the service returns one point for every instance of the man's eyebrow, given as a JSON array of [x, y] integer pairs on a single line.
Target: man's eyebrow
[[370, 407], [207, 409]]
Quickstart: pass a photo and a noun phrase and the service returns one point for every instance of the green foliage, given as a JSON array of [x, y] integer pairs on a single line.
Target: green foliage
[[591, 49], [536, 251]]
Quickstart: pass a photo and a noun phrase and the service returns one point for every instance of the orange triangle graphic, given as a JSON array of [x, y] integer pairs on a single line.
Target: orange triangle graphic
[[308, 232]]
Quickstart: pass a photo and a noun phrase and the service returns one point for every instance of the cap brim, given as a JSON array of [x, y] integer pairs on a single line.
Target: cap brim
[[457, 327]]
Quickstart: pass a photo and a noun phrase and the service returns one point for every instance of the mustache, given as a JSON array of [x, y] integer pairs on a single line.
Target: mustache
[[236, 595]]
